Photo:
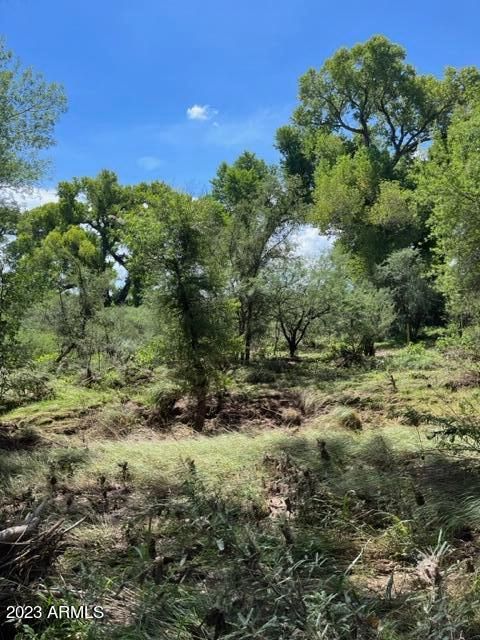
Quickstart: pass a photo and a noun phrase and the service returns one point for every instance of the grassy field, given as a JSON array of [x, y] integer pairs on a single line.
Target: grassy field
[[314, 506]]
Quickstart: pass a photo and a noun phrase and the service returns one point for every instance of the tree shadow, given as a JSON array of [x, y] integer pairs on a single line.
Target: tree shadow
[[435, 489]]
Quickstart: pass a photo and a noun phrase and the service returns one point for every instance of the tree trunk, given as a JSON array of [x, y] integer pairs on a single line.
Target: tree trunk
[[121, 296], [248, 343], [88, 375], [65, 352], [200, 409], [277, 337], [292, 347], [248, 332], [241, 329], [368, 347]]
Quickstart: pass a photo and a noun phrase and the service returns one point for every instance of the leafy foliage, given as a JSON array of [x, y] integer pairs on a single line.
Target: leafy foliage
[[448, 183], [404, 274], [159, 299], [29, 109], [301, 294], [374, 112], [177, 238], [262, 211]]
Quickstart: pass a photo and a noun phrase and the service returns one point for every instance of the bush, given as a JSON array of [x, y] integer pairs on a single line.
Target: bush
[[348, 419], [466, 344], [26, 385], [149, 355], [415, 356], [345, 356], [163, 399], [136, 374], [398, 540], [459, 430], [112, 379]]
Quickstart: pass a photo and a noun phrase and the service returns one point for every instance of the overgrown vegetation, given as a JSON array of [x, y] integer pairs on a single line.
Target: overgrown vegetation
[[212, 437]]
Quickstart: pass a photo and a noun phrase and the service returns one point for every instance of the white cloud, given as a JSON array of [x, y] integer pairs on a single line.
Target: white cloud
[[309, 243], [149, 163], [200, 112], [30, 198]]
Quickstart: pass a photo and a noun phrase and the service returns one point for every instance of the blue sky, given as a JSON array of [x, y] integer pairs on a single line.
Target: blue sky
[[132, 69]]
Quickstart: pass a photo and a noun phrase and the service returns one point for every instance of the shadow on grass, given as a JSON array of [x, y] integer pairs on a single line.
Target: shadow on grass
[[436, 491], [187, 546], [314, 371], [13, 463]]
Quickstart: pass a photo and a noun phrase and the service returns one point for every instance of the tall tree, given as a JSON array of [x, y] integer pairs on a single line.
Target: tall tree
[[364, 315], [178, 241], [29, 109], [449, 184], [262, 211], [18, 286], [69, 264], [380, 111], [96, 204], [404, 273]]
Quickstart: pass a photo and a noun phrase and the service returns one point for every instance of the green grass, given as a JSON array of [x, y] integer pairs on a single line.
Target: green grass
[[228, 461], [378, 497], [68, 397]]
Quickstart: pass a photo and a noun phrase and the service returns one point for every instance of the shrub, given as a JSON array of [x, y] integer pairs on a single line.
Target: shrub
[[415, 356], [465, 344], [112, 379], [348, 419], [26, 385], [149, 355], [136, 374], [163, 399], [345, 355], [459, 430], [260, 376], [397, 540]]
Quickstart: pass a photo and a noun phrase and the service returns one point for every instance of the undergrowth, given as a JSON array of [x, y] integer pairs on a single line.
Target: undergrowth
[[318, 529]]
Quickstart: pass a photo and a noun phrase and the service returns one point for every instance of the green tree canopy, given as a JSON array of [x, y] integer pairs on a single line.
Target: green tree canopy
[[178, 241], [98, 205], [404, 274], [300, 294], [262, 212], [362, 118], [449, 183], [29, 108]]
